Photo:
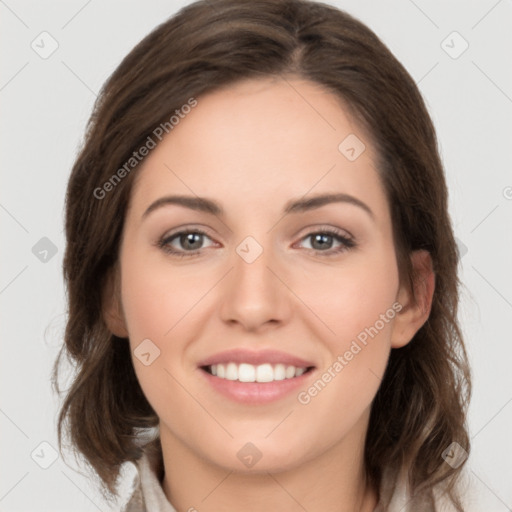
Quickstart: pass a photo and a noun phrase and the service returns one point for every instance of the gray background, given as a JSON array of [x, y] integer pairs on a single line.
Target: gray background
[[45, 105]]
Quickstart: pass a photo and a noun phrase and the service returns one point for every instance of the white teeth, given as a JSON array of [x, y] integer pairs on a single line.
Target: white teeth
[[264, 373], [250, 373], [246, 372], [290, 372], [279, 372], [232, 371]]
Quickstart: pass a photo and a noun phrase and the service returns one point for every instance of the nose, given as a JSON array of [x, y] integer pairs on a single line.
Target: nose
[[255, 295]]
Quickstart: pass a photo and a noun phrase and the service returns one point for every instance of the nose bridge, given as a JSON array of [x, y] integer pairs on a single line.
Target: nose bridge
[[251, 273], [255, 295]]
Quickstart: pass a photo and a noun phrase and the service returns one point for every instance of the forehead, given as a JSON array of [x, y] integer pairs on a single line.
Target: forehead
[[262, 141]]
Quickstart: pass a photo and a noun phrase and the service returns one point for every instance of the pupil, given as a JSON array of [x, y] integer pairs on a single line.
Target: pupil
[[189, 240], [322, 238]]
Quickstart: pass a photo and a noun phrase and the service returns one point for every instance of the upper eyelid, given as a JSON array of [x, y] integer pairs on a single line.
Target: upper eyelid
[[183, 230]]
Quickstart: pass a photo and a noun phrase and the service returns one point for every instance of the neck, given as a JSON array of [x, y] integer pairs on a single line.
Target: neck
[[334, 481]]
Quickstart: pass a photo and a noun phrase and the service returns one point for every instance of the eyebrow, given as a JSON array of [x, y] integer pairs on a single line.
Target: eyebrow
[[206, 205]]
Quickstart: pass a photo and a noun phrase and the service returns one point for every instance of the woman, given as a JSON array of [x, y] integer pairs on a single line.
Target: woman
[[303, 352]]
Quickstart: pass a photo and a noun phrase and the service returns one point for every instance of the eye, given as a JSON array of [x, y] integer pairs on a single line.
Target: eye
[[322, 241], [189, 242]]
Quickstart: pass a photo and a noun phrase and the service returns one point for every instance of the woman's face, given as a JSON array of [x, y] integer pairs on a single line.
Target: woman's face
[[312, 286]]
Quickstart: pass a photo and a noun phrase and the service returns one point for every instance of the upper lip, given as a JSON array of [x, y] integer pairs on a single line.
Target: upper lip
[[255, 357]]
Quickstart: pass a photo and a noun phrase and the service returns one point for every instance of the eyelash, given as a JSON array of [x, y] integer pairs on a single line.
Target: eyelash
[[347, 243]]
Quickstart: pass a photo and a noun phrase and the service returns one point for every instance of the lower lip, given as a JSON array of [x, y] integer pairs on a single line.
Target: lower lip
[[256, 392]]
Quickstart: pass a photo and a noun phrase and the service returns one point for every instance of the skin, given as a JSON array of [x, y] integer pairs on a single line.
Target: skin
[[252, 147]]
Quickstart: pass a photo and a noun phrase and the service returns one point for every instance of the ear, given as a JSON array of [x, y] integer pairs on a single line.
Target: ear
[[416, 303], [111, 305]]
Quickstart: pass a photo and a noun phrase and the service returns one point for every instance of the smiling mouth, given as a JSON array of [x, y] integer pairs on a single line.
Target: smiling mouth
[[245, 372]]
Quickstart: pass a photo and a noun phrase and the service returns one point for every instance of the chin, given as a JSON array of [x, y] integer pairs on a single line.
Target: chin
[[256, 457]]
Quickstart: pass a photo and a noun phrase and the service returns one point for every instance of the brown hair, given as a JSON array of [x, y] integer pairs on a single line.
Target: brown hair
[[420, 407]]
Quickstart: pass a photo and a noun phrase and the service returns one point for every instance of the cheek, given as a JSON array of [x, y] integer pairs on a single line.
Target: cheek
[[349, 298], [358, 307], [162, 302], [156, 300], [355, 306], [156, 297]]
